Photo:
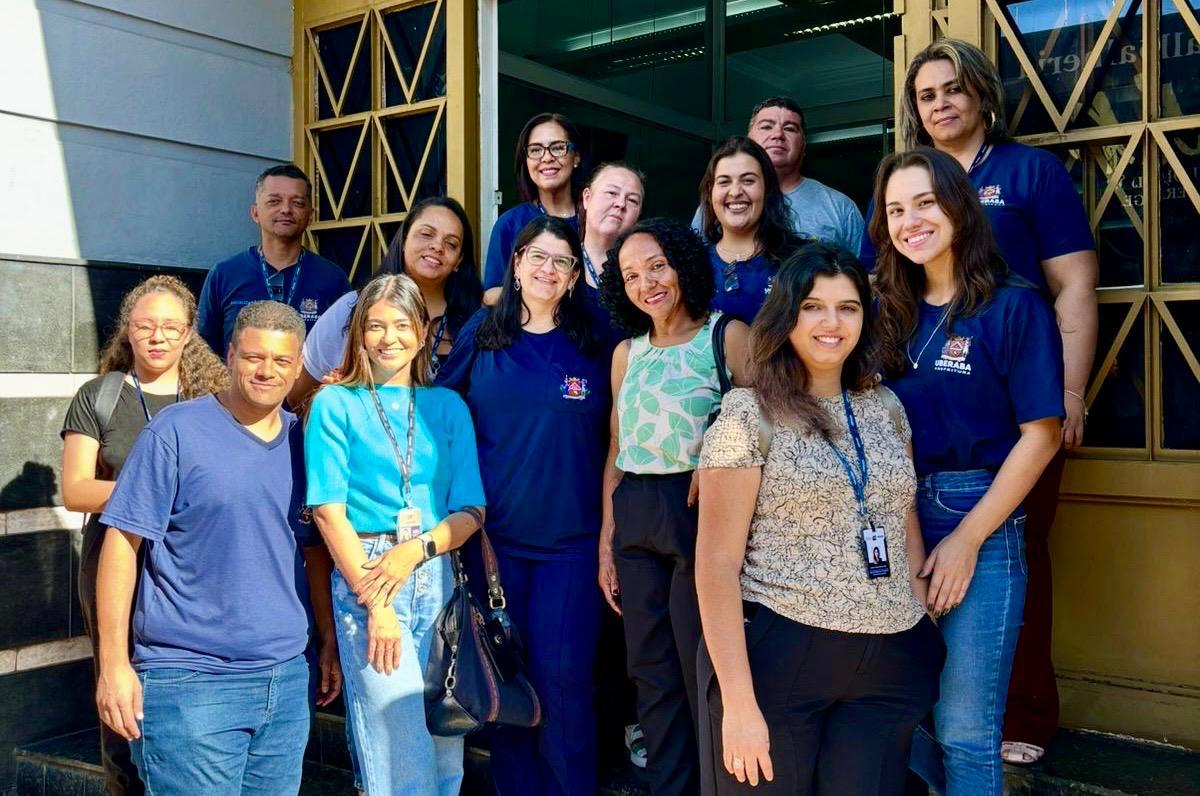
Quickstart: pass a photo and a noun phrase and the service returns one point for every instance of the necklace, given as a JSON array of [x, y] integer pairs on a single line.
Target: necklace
[[907, 351], [735, 259]]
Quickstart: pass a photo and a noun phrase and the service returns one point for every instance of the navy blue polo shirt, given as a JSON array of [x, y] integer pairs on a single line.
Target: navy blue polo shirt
[[541, 412], [973, 387], [1033, 207], [238, 281], [504, 239], [744, 299]]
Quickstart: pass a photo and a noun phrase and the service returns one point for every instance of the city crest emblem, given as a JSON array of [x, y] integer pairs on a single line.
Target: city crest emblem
[[574, 388], [954, 355], [309, 310], [989, 196]]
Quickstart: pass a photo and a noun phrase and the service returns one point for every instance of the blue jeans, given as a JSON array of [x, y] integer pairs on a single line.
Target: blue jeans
[[396, 753], [960, 754], [218, 734]]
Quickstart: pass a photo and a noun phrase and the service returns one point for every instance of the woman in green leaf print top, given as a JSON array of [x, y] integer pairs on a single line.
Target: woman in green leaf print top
[[658, 285]]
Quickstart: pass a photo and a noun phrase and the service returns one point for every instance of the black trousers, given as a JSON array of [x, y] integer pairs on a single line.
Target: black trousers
[[840, 708], [654, 551]]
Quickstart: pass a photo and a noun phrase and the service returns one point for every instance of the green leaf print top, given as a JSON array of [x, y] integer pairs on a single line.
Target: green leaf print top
[[664, 403]]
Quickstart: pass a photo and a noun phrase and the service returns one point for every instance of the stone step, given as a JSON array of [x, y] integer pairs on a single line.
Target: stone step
[[1077, 764]]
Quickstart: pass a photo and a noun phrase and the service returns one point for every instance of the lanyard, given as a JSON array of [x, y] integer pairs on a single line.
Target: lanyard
[[142, 398], [591, 269], [859, 476], [266, 271], [439, 332], [979, 156], [404, 462]]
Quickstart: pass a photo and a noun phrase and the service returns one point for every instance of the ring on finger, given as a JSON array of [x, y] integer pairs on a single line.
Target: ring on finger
[[737, 762]]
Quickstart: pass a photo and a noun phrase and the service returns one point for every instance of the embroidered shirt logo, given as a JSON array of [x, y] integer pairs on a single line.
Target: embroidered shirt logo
[[574, 388], [954, 355], [309, 310], [989, 196]]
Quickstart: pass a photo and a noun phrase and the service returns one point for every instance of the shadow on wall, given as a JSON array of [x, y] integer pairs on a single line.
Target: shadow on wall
[[35, 487]]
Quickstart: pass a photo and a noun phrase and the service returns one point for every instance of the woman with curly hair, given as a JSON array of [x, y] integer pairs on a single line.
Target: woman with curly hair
[[152, 359], [658, 286], [974, 355], [747, 220]]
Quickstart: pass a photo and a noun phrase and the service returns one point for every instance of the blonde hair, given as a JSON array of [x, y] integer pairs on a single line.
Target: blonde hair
[[978, 77], [402, 293], [200, 370]]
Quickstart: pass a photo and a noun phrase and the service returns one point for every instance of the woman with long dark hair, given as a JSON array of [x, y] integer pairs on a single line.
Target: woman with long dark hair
[[436, 249], [533, 370], [658, 286], [746, 219], [808, 554], [974, 356], [152, 359], [393, 480], [547, 163]]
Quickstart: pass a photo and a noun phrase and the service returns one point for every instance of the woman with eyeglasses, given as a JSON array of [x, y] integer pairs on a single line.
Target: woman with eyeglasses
[[533, 370], [746, 219], [435, 248], [153, 359], [547, 164], [666, 384]]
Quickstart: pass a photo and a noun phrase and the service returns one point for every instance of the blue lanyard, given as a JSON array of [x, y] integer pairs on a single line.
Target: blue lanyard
[[142, 397], [267, 274], [979, 156], [859, 476], [439, 332], [591, 269]]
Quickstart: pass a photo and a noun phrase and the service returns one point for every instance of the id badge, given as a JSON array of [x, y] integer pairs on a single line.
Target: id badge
[[408, 524], [875, 551]]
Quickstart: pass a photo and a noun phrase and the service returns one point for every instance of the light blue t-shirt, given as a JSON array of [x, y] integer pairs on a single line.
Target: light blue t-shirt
[[819, 212], [223, 589], [349, 459]]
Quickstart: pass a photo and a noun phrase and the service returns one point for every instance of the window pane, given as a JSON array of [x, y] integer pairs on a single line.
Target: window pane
[[1120, 233], [652, 49], [342, 247], [1181, 391], [1177, 214], [336, 149], [1180, 89], [335, 48], [406, 33], [1117, 416], [407, 137]]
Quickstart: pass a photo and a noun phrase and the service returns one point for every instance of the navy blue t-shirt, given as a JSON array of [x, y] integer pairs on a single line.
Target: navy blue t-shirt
[[972, 388], [541, 412], [238, 281], [1033, 207], [223, 589], [504, 238], [753, 280]]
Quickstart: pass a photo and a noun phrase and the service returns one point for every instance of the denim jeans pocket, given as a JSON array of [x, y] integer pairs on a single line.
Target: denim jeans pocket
[[167, 676], [1017, 523], [957, 502]]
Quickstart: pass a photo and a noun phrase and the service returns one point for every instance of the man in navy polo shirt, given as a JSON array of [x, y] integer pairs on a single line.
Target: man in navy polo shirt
[[278, 268], [216, 697]]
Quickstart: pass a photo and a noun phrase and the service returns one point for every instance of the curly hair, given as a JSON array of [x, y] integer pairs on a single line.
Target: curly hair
[[200, 370], [776, 372], [502, 325], [900, 283], [774, 233], [978, 77], [464, 291], [686, 254]]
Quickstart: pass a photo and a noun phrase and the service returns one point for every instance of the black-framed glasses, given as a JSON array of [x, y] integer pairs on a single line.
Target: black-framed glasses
[[563, 263], [558, 149]]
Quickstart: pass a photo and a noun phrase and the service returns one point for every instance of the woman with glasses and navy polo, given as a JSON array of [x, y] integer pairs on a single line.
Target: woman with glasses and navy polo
[[549, 179], [746, 219], [533, 369], [974, 355]]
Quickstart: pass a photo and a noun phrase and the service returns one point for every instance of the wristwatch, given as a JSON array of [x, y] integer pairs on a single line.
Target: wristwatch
[[428, 546]]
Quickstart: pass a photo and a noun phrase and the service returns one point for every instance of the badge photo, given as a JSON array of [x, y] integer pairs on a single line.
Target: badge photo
[[408, 524], [875, 551]]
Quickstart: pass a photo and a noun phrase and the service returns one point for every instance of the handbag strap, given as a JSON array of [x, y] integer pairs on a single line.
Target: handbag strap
[[491, 566], [718, 347]]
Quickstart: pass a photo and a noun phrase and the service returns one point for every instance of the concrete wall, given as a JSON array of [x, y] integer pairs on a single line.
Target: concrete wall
[[131, 132]]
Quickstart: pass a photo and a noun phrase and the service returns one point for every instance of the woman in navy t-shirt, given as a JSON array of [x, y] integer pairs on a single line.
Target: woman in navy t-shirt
[[977, 364], [549, 179], [746, 217], [534, 373]]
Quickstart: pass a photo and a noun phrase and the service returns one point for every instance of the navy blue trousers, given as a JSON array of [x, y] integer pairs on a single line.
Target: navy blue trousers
[[556, 605]]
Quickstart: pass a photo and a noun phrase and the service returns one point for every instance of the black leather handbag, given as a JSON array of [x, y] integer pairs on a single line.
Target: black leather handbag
[[476, 673]]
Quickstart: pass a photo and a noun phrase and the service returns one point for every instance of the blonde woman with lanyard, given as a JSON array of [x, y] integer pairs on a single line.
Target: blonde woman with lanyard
[[153, 359], [611, 203], [389, 505]]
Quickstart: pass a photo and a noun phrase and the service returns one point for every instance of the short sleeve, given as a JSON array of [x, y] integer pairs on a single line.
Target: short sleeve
[[852, 226], [897, 417], [326, 343], [698, 223], [866, 249], [1032, 357], [733, 440], [144, 496], [301, 521], [327, 449], [1060, 223], [81, 414], [499, 250], [455, 371], [466, 484], [210, 315]]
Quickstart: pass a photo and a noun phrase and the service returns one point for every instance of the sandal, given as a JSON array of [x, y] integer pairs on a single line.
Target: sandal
[[635, 742], [1020, 753]]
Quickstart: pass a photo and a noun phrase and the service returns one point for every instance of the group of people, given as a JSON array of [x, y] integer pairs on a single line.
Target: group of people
[[812, 467]]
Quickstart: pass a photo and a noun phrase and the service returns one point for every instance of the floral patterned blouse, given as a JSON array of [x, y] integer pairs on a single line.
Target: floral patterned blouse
[[804, 555]]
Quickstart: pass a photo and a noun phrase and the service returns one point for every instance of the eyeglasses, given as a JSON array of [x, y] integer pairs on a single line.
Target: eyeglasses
[[558, 149], [144, 329], [563, 263]]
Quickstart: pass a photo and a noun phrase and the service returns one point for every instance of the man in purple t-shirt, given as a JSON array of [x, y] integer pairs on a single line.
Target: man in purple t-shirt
[[216, 695]]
